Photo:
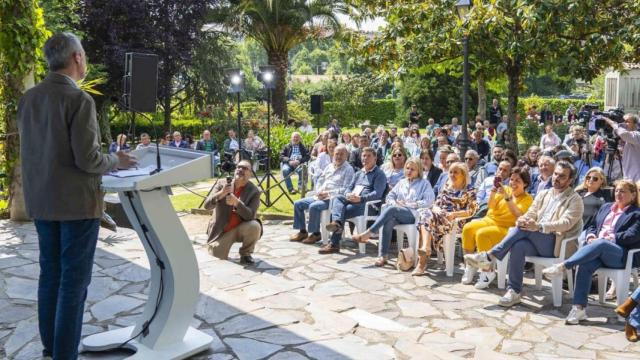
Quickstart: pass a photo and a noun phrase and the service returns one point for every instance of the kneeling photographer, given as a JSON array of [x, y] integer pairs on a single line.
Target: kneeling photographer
[[626, 128]]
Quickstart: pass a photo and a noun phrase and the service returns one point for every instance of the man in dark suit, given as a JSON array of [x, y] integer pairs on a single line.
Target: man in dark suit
[[207, 143], [235, 205], [62, 166]]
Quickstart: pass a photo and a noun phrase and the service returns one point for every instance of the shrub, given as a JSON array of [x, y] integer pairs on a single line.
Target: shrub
[[379, 111]]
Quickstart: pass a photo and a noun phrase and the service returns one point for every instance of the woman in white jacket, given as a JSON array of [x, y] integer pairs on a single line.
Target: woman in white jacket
[[401, 207]]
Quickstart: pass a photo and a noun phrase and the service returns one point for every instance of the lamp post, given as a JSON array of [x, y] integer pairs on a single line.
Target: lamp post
[[236, 86], [267, 76], [462, 8]]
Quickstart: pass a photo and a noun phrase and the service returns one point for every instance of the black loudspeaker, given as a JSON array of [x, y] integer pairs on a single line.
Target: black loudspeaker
[[317, 104], [140, 82]]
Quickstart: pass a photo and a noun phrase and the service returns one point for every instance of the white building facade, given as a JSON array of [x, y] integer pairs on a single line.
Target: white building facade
[[622, 89]]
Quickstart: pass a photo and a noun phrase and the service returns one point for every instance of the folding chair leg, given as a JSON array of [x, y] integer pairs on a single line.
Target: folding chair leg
[[556, 291], [602, 287], [538, 276], [570, 282], [449, 248]]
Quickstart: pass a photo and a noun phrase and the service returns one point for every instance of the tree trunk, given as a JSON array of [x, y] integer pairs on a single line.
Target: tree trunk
[[514, 75], [17, 206], [279, 97], [482, 97]]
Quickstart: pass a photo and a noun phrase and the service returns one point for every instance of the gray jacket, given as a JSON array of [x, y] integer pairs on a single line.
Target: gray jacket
[[62, 162]]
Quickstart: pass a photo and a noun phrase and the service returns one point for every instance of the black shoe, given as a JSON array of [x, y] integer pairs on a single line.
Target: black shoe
[[247, 259]]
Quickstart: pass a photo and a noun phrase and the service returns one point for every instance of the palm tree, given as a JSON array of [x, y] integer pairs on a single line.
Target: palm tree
[[280, 25]]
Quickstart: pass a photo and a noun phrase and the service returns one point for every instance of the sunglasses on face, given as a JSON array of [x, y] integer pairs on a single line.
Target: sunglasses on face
[[468, 159], [592, 178], [397, 155]]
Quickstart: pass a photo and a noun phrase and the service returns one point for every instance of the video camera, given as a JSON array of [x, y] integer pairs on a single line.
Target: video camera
[[616, 115], [586, 112]]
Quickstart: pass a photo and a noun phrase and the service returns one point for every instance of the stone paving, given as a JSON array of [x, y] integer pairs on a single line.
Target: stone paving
[[296, 304]]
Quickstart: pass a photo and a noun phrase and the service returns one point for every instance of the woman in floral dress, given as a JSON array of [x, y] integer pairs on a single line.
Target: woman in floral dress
[[457, 199]]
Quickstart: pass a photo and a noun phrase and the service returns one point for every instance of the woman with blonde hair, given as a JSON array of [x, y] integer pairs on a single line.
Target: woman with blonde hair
[[614, 231], [593, 192], [455, 200], [402, 205]]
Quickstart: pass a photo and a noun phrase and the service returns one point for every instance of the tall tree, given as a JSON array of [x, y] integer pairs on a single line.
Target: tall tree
[[279, 25], [22, 35], [168, 28], [511, 37]]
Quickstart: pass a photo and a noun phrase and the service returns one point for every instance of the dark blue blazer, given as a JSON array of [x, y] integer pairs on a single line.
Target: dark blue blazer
[[183, 144], [627, 229]]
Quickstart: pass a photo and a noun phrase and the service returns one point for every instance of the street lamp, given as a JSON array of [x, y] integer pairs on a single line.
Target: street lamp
[[267, 76], [235, 77], [462, 8]]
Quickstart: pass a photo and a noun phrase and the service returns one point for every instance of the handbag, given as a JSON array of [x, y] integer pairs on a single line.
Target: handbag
[[405, 259]]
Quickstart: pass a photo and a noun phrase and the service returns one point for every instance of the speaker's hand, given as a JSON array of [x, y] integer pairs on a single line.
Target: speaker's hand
[[126, 160]]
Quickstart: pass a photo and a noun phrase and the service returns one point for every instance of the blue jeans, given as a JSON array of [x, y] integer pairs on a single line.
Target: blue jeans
[[66, 261], [634, 317], [342, 209], [589, 258], [390, 217], [522, 243], [315, 209], [286, 171]]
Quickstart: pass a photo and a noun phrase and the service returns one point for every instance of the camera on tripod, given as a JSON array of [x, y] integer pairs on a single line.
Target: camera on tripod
[[586, 112], [617, 115]]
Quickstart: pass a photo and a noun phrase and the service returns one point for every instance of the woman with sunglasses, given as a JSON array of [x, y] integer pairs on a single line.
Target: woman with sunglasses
[[593, 193], [614, 231], [394, 168], [401, 207], [455, 200]]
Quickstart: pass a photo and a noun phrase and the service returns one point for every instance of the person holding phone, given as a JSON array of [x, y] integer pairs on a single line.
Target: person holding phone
[[235, 202]]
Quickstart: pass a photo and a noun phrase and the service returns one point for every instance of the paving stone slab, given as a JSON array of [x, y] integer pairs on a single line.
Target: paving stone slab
[[113, 305], [248, 349]]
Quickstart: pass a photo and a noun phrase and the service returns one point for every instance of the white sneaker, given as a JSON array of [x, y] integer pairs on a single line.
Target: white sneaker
[[485, 279], [553, 271], [469, 273], [478, 260], [509, 299], [576, 315]]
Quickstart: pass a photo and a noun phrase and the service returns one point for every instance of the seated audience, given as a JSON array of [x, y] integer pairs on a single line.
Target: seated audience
[[450, 158], [471, 158], [253, 143], [631, 312], [206, 143], [549, 139], [430, 171], [530, 159], [593, 193], [145, 141], [119, 144], [292, 156], [368, 184], [334, 180], [554, 215], [546, 165], [234, 218], [320, 144], [506, 204], [456, 200], [305, 127], [394, 168], [480, 144], [231, 144], [166, 139], [502, 175], [614, 231], [324, 159], [497, 155], [401, 207], [177, 141]]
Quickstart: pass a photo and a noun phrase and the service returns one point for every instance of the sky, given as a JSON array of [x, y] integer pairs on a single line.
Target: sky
[[370, 26]]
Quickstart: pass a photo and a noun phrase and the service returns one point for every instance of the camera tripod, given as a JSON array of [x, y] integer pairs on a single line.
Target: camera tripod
[[610, 160]]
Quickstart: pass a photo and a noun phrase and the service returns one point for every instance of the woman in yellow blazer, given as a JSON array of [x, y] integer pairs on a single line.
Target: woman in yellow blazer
[[506, 204]]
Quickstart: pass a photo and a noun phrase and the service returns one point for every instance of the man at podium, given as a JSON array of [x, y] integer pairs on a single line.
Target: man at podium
[[62, 166], [235, 205]]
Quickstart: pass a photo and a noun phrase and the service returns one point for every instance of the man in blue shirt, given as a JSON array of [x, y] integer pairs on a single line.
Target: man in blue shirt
[[368, 184]]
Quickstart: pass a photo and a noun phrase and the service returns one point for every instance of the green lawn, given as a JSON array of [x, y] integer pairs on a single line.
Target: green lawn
[[188, 201]]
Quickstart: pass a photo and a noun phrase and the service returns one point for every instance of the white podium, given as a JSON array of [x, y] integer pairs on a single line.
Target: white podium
[[164, 331]]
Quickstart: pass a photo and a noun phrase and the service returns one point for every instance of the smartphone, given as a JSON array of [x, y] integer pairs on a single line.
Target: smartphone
[[229, 180], [497, 182]]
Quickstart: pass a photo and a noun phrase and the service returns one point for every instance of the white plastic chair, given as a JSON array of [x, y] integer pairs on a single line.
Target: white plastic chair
[[325, 218], [360, 222], [541, 263], [620, 278], [449, 247], [411, 231]]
